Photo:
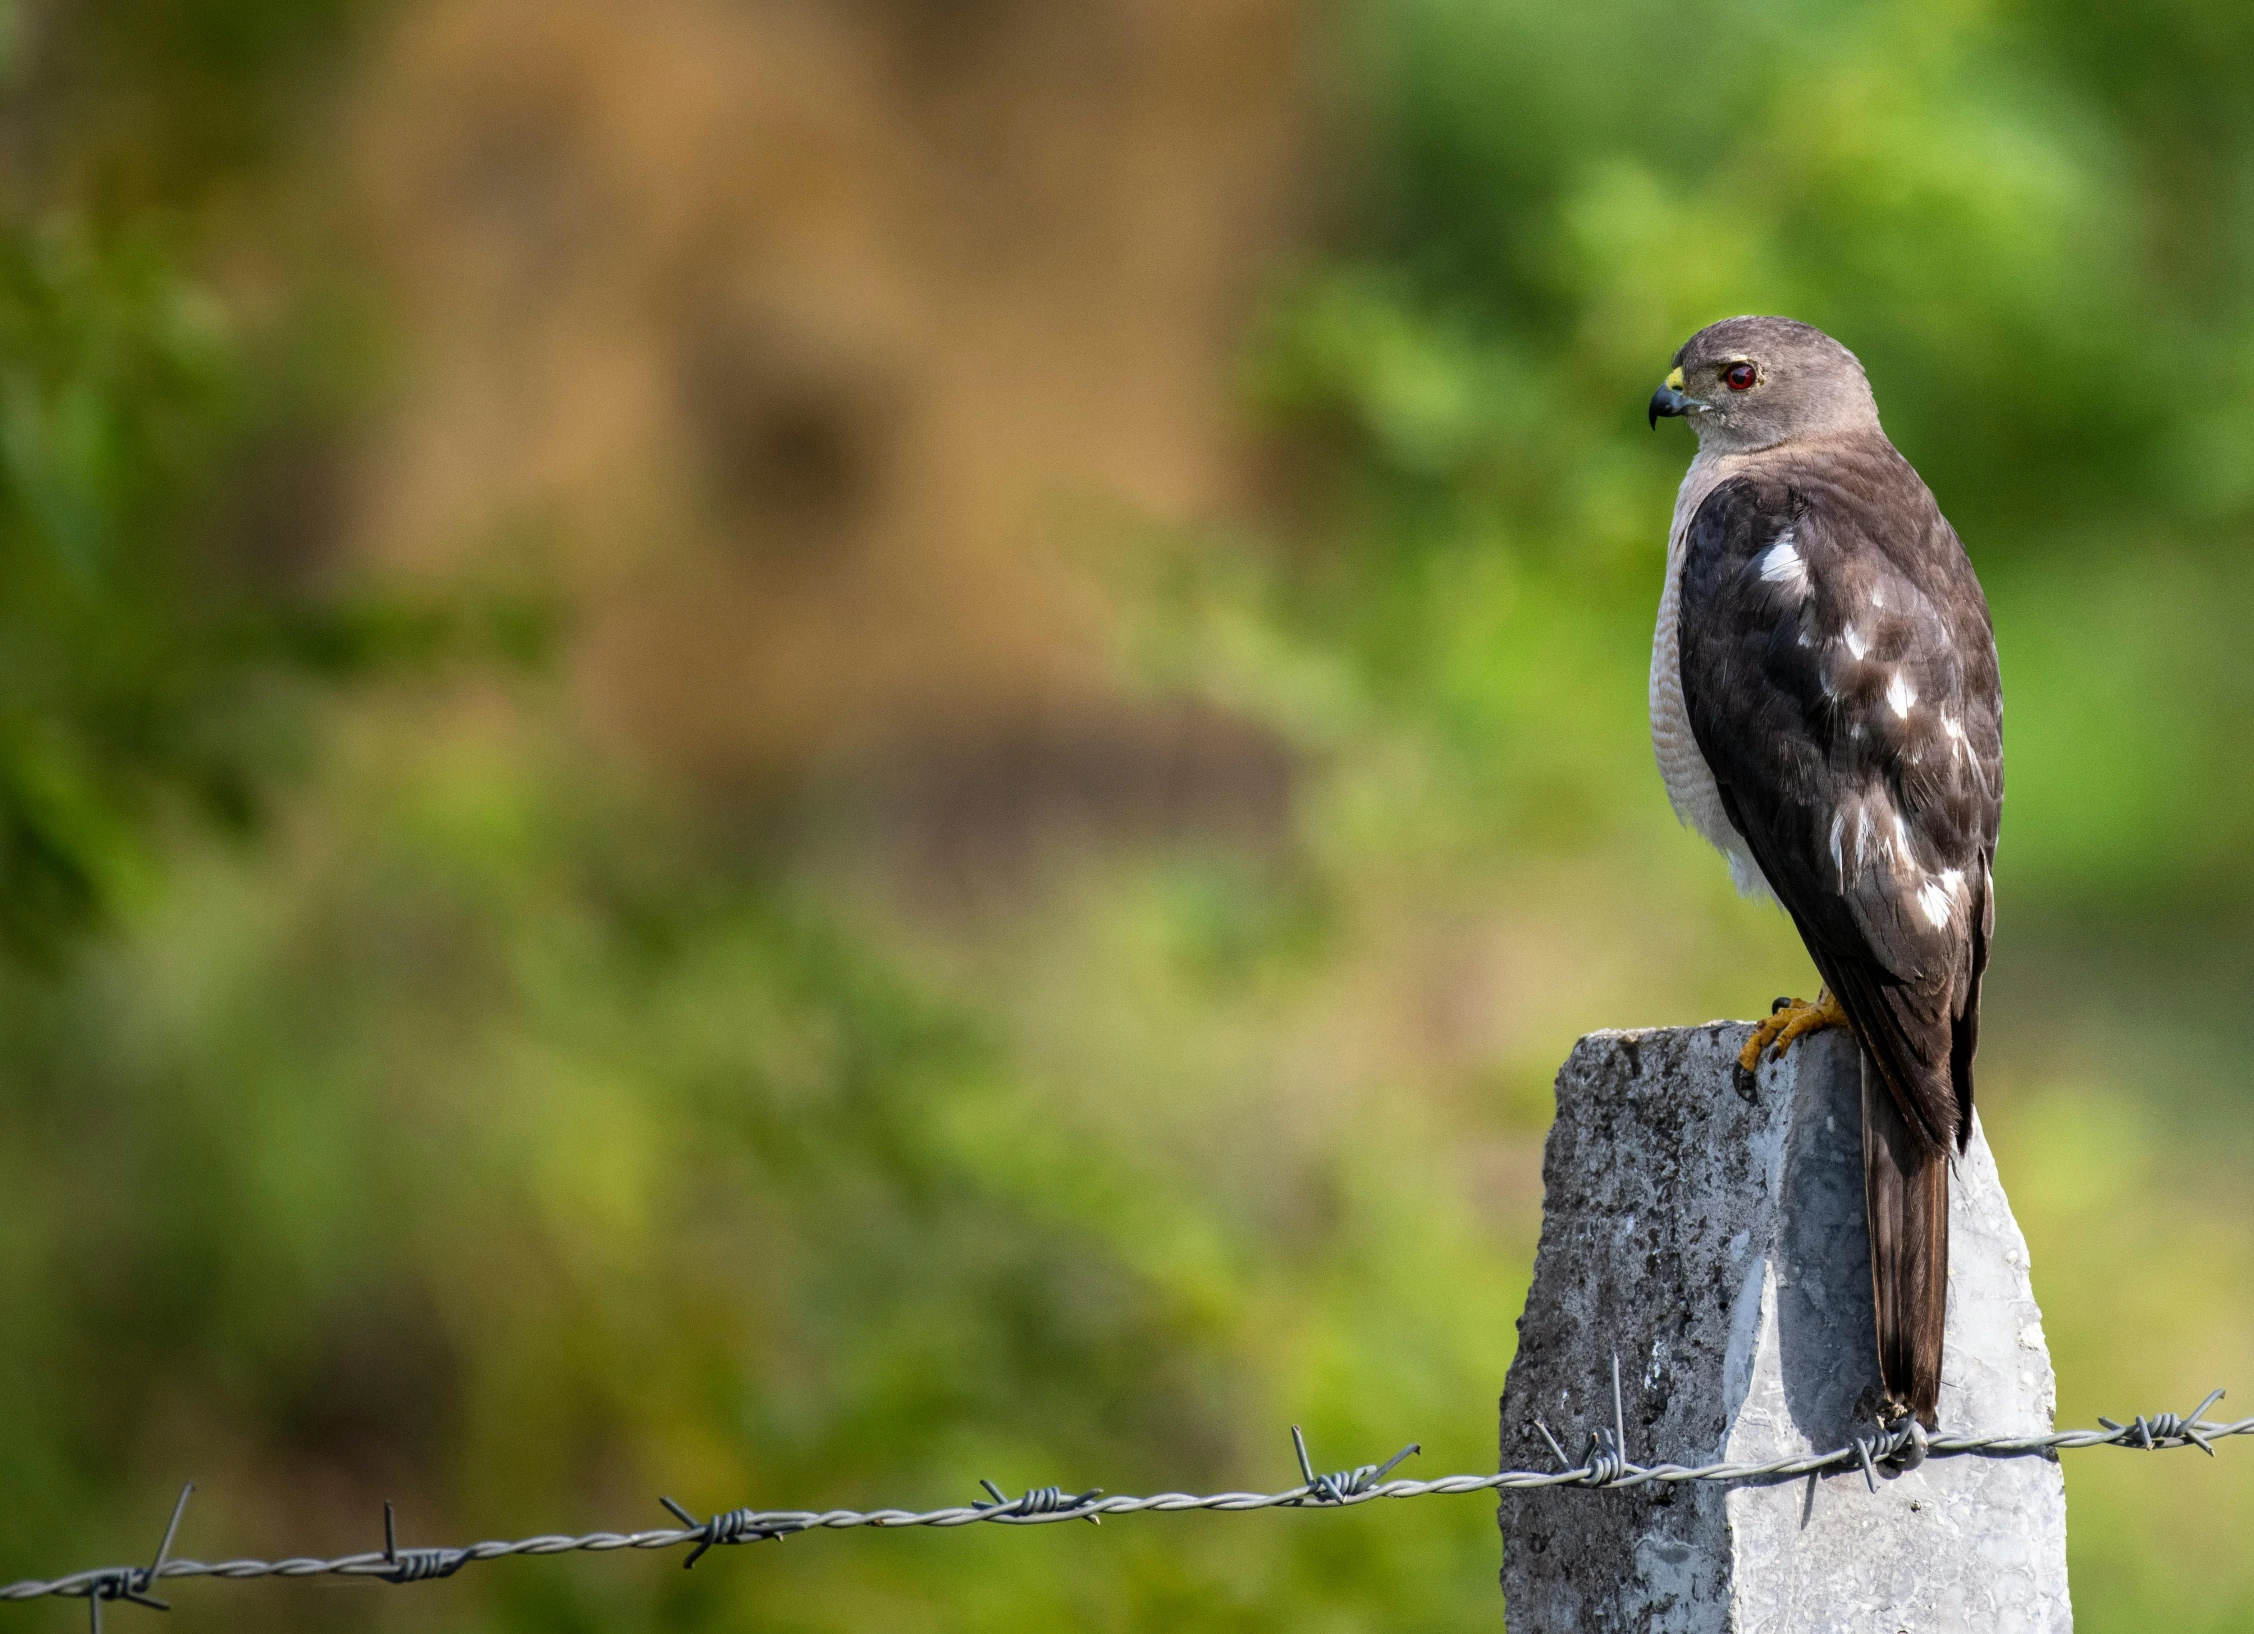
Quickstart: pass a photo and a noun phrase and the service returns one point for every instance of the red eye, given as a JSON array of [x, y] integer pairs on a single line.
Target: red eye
[[1739, 376]]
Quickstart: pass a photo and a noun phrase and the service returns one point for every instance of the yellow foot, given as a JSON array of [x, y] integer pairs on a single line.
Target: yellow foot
[[1789, 1021]]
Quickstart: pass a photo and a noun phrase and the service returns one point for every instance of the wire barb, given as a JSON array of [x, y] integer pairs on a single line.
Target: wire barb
[[2166, 1429], [1347, 1483], [1604, 1464], [1619, 1417], [1563, 1462], [133, 1582], [1607, 1460], [416, 1565], [1040, 1500], [728, 1526], [1901, 1446]]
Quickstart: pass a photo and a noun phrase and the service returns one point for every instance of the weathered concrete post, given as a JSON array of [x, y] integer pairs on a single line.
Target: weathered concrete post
[[1715, 1240]]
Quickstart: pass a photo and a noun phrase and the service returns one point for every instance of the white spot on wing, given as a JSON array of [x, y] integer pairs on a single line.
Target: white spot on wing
[[1901, 694], [1935, 901], [1782, 565], [1856, 645], [1838, 862], [1862, 834], [1961, 748]]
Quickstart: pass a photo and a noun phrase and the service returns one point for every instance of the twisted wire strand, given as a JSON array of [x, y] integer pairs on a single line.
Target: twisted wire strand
[[1605, 1466]]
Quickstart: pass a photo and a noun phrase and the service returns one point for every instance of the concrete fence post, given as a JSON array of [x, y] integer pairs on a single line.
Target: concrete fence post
[[1713, 1239]]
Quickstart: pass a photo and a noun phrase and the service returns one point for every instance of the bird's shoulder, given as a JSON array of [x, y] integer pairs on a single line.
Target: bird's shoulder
[[1860, 517]]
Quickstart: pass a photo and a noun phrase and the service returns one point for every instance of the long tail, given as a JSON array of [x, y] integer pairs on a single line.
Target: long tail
[[1906, 1201]]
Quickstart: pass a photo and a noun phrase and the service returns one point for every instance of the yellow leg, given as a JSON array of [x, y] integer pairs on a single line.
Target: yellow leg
[[1775, 1034]]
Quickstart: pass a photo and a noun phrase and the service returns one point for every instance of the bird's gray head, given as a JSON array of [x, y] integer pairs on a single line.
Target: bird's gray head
[[1751, 383]]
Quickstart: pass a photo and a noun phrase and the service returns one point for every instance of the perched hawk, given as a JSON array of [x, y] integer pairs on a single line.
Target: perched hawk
[[1826, 711]]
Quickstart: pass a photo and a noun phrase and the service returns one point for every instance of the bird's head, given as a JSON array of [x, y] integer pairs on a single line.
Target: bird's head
[[1752, 383]]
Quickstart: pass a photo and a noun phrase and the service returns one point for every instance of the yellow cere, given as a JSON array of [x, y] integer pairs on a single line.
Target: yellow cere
[[1675, 378]]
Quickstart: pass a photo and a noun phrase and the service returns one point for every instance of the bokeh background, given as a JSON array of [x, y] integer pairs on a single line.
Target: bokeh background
[[788, 751]]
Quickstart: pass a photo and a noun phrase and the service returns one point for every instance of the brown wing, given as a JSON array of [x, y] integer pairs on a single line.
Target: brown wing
[[1840, 677]]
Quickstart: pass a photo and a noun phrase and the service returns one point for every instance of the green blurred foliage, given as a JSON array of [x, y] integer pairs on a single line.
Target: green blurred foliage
[[130, 663], [108, 381], [144, 663], [500, 1135]]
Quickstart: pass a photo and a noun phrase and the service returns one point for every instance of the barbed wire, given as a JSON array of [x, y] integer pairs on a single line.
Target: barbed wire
[[1605, 1465]]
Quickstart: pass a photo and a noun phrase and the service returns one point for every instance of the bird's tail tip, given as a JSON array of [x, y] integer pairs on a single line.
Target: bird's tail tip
[[1906, 1202]]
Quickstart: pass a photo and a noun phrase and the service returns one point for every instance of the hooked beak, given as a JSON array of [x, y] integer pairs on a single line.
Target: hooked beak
[[1670, 400]]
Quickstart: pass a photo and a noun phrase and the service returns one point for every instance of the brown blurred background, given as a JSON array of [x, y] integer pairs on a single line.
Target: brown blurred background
[[794, 335]]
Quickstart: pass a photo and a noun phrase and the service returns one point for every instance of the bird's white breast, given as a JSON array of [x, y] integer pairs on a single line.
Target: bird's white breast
[[1690, 783]]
